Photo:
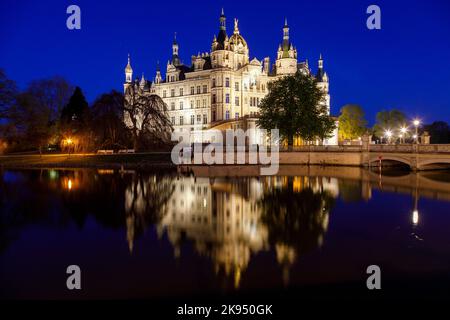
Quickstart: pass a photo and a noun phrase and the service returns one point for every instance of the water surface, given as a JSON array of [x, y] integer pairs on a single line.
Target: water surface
[[146, 235]]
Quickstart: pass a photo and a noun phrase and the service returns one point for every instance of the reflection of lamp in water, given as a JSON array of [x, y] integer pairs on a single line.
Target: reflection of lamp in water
[[69, 184], [415, 217]]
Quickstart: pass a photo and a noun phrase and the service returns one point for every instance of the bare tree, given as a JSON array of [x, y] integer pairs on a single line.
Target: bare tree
[[8, 92], [146, 117]]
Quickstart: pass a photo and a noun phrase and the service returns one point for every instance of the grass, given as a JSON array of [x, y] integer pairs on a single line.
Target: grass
[[136, 160]]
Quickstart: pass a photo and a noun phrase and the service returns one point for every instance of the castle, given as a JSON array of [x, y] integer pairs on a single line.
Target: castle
[[222, 89]]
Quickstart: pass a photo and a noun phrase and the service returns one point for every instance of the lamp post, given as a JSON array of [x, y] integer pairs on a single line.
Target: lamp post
[[388, 134], [69, 142], [403, 131], [416, 123]]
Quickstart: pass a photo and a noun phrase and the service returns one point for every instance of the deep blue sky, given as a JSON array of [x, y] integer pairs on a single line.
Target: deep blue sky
[[405, 65]]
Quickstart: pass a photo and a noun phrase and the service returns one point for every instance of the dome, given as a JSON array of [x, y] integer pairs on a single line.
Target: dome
[[236, 39], [128, 68]]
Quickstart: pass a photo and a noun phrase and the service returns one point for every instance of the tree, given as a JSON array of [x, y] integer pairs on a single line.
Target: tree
[[53, 93], [107, 120], [32, 122], [33, 116], [389, 120], [295, 107], [75, 122], [439, 132], [74, 114], [351, 122], [146, 117], [8, 92]]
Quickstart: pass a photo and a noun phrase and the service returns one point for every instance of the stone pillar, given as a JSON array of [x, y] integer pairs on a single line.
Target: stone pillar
[[425, 138], [365, 148]]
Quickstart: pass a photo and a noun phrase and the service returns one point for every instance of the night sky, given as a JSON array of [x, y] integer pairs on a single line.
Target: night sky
[[405, 65]]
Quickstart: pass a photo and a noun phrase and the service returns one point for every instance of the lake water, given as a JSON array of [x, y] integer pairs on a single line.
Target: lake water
[[162, 235]]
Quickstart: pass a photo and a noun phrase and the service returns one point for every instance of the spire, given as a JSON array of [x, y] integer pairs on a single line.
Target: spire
[[222, 21], [236, 27], [142, 83], [175, 57], [320, 72], [128, 67], [285, 30], [158, 69], [128, 71]]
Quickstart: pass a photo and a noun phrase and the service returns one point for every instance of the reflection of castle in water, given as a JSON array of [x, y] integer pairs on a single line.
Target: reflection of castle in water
[[227, 219]]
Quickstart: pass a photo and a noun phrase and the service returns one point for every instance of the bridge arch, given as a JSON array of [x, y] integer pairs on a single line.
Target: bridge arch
[[374, 160], [437, 163]]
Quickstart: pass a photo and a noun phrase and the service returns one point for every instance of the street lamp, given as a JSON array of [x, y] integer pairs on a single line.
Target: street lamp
[[403, 131], [69, 142], [416, 123], [388, 134]]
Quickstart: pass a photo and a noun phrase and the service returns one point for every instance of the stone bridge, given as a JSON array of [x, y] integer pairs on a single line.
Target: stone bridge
[[415, 156]]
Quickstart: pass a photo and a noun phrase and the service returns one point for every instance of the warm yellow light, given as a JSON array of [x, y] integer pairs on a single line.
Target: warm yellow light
[[69, 184], [415, 217], [68, 141], [403, 130], [416, 122], [388, 133]]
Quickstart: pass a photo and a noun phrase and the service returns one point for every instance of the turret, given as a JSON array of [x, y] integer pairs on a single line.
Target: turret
[[286, 55], [175, 58], [128, 71], [142, 82], [158, 77]]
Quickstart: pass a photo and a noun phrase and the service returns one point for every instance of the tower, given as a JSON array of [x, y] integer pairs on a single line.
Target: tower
[[158, 77], [322, 81], [175, 57], [286, 62], [128, 75]]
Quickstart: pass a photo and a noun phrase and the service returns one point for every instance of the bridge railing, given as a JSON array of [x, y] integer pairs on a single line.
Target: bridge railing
[[398, 148]]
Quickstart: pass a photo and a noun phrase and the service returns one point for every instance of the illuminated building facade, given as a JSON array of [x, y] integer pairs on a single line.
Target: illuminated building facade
[[222, 89]]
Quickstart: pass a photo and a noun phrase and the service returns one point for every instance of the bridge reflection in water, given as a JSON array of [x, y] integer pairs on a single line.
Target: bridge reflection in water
[[232, 219]]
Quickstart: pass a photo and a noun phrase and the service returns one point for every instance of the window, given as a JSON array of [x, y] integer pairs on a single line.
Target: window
[[227, 98], [172, 106], [236, 101], [214, 98], [181, 120], [204, 103], [213, 83], [192, 104], [172, 92], [192, 90], [214, 115], [199, 118], [164, 93], [205, 88], [263, 87], [173, 120], [236, 115], [181, 105], [198, 90], [198, 104], [236, 86], [205, 119], [192, 119], [227, 115], [227, 82], [257, 101], [181, 91]]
